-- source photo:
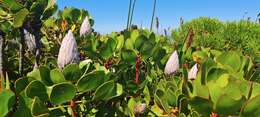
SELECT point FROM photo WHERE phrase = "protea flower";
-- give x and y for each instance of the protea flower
(68, 51)
(85, 27)
(139, 108)
(172, 64)
(193, 72)
(30, 41)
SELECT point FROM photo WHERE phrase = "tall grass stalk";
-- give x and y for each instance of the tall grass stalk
(132, 13)
(129, 14)
(154, 6)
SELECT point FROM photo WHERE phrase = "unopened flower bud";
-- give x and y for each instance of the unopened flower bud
(30, 41)
(193, 72)
(85, 27)
(172, 64)
(68, 52)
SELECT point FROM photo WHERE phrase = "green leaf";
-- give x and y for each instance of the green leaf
(91, 81)
(255, 90)
(36, 88)
(215, 73)
(7, 98)
(20, 84)
(129, 56)
(158, 54)
(57, 112)
(38, 7)
(200, 90)
(71, 14)
(251, 108)
(57, 76)
(201, 105)
(171, 97)
(41, 74)
(13, 5)
(24, 106)
(199, 56)
(108, 90)
(206, 66)
(146, 93)
(49, 23)
(20, 17)
(50, 9)
(161, 100)
(146, 49)
(38, 108)
(231, 60)
(134, 35)
(120, 42)
(61, 93)
(109, 48)
(226, 105)
(72, 72)
(84, 63)
(129, 44)
(139, 42)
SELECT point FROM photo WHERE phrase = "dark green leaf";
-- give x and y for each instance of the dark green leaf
(62, 92)
(38, 108)
(20, 17)
(107, 91)
(72, 72)
(129, 56)
(251, 108)
(20, 84)
(36, 88)
(91, 81)
(201, 105)
(57, 76)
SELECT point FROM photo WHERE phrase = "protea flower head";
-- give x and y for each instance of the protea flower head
(85, 27)
(172, 64)
(139, 108)
(193, 72)
(30, 41)
(68, 52)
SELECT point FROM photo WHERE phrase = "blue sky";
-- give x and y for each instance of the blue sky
(111, 15)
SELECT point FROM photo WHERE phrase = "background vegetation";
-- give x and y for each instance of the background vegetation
(123, 73)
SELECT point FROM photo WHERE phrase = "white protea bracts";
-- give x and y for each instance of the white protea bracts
(139, 108)
(68, 52)
(193, 72)
(172, 64)
(30, 41)
(85, 27)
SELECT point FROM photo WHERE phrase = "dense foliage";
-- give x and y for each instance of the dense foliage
(236, 35)
(123, 73)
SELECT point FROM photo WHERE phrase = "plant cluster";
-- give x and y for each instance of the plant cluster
(64, 68)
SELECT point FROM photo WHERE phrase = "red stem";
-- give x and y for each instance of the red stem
(73, 106)
(137, 63)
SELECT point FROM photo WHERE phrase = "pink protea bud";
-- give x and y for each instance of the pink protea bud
(193, 72)
(85, 27)
(213, 114)
(68, 51)
(172, 64)
(139, 108)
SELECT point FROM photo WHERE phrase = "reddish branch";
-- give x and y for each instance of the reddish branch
(108, 63)
(73, 107)
(137, 63)
(190, 38)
